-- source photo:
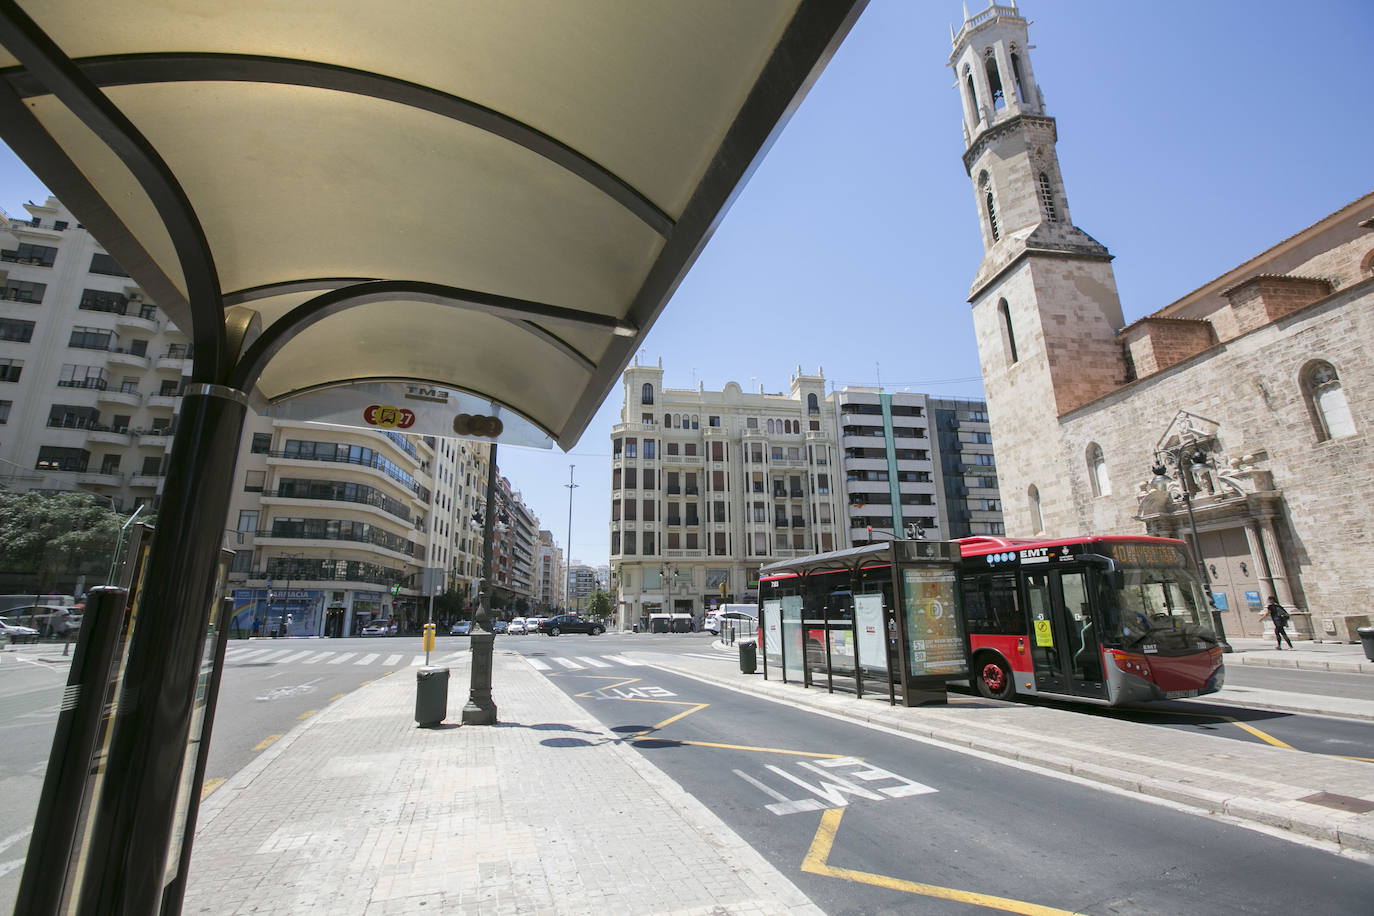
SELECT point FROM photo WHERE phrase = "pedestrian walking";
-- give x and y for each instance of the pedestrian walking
(257, 627)
(1275, 612)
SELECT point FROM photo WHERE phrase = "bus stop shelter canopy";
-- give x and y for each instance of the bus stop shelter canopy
(492, 197)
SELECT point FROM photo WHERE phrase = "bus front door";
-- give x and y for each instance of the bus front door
(1065, 649)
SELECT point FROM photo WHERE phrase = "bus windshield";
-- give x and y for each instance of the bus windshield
(1157, 610)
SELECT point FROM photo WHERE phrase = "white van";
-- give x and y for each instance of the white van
(516, 627)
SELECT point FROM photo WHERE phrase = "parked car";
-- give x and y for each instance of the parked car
(516, 627)
(377, 628)
(498, 626)
(742, 620)
(17, 633)
(461, 628)
(571, 623)
(48, 619)
(532, 624)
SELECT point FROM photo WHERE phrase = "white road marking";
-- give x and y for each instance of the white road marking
(342, 658)
(275, 655)
(368, 659)
(318, 656)
(594, 662)
(569, 664)
(251, 653)
(417, 662)
(537, 665)
(294, 658)
(624, 661)
(392, 660)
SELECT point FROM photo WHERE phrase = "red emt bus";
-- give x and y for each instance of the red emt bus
(1100, 619)
(1105, 620)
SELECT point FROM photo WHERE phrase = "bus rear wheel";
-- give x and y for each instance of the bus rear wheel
(993, 678)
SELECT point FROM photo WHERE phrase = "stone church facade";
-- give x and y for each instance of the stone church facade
(1241, 411)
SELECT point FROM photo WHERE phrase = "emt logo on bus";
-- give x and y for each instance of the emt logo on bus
(387, 416)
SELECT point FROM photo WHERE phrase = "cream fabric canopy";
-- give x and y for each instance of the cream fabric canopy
(493, 196)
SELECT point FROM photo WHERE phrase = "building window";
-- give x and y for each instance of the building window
(646, 394)
(262, 443)
(26, 253)
(1008, 331)
(985, 183)
(631, 448)
(10, 370)
(1097, 471)
(812, 404)
(1037, 520)
(712, 421)
(1047, 198)
(650, 448)
(90, 338)
(1326, 401)
(104, 264)
(248, 522)
(52, 458)
(994, 80)
(16, 330)
(23, 291)
(5, 411)
(253, 481)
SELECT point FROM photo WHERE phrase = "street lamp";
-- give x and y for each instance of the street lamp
(1188, 448)
(480, 708)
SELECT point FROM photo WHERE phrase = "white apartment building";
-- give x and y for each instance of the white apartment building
(707, 487)
(325, 521)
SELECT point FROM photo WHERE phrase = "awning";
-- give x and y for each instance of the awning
(494, 198)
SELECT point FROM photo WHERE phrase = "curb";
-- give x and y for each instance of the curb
(1336, 666)
(1263, 812)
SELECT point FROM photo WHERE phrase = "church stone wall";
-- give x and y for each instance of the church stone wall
(1251, 387)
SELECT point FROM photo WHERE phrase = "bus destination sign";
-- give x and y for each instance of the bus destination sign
(1036, 556)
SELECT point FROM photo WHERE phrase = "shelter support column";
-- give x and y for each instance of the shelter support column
(142, 800)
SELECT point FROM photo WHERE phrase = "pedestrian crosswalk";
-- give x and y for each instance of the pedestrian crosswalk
(237, 655)
(580, 662)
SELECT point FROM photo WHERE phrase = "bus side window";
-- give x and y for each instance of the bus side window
(1002, 599)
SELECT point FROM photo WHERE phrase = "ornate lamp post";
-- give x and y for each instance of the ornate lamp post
(1188, 449)
(480, 708)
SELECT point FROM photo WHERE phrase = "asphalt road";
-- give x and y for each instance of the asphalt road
(870, 822)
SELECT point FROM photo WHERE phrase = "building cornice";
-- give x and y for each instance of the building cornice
(998, 129)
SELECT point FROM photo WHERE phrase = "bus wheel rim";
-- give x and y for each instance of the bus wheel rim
(992, 675)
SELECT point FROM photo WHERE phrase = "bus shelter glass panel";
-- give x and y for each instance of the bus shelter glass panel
(871, 633)
(933, 622)
(829, 613)
(770, 634)
(793, 655)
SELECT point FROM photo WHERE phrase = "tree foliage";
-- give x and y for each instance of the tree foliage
(599, 605)
(57, 537)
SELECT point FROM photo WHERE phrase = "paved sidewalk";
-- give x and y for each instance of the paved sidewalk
(1318, 796)
(360, 811)
(1316, 656)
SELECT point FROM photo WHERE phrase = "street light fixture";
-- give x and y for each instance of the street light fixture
(480, 708)
(1188, 448)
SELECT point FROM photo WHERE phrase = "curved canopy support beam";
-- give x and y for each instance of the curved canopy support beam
(274, 338)
(136, 69)
(62, 78)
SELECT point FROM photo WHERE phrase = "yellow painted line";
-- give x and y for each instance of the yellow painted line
(815, 863)
(209, 786)
(762, 750)
(1348, 757)
(696, 707)
(307, 714)
(337, 696)
(620, 682)
(1263, 736)
(267, 742)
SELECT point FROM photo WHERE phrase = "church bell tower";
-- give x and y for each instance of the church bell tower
(1045, 305)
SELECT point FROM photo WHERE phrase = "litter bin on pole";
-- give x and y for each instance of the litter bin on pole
(431, 696)
(1367, 640)
(748, 657)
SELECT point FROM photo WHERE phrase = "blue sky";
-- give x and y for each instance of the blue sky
(1192, 136)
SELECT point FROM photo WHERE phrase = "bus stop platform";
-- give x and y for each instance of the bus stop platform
(1261, 782)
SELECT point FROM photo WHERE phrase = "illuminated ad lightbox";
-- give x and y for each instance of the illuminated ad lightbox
(409, 407)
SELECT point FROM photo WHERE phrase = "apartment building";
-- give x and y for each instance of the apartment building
(90, 370)
(331, 526)
(707, 487)
(548, 592)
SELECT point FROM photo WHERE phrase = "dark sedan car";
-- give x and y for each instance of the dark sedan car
(570, 623)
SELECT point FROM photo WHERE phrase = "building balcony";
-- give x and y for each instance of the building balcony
(100, 479)
(163, 401)
(635, 427)
(685, 460)
(145, 481)
(118, 356)
(133, 321)
(107, 436)
(119, 397)
(181, 365)
(155, 438)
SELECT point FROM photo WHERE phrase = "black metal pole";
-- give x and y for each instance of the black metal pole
(1202, 567)
(480, 708)
(126, 861)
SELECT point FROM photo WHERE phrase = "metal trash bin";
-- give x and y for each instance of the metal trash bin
(431, 696)
(748, 657)
(1367, 640)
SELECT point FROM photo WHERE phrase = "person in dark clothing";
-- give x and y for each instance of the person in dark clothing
(1276, 613)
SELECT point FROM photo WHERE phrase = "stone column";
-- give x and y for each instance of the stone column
(1270, 541)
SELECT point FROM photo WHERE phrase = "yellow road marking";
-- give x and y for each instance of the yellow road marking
(1263, 736)
(307, 714)
(337, 696)
(696, 707)
(267, 742)
(763, 750)
(815, 863)
(209, 786)
(1348, 757)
